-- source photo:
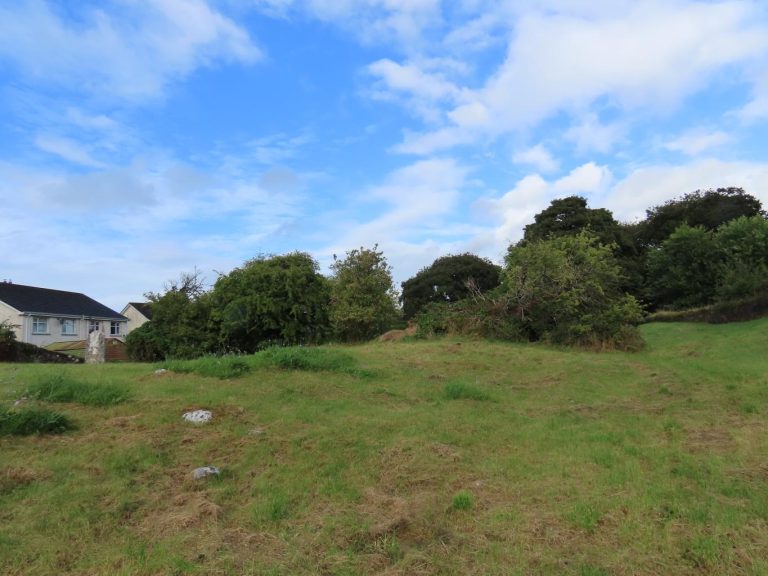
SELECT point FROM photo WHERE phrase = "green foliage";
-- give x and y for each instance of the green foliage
(30, 421)
(146, 343)
(695, 267)
(272, 300)
(60, 388)
(683, 271)
(223, 367)
(743, 250)
(462, 500)
(708, 209)
(448, 279)
(571, 216)
(362, 295)
(8, 342)
(568, 290)
(457, 390)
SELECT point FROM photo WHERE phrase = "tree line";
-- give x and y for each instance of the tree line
(578, 276)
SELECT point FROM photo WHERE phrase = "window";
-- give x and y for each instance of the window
(39, 325)
(93, 326)
(114, 328)
(67, 327)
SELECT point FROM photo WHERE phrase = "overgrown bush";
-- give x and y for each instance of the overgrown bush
(30, 421)
(60, 388)
(486, 316)
(145, 344)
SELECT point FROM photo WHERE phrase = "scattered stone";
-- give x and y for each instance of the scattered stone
(161, 371)
(20, 401)
(256, 431)
(198, 416)
(204, 471)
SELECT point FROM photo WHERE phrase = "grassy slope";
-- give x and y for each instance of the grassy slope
(580, 463)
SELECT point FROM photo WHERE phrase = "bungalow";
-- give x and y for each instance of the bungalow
(41, 316)
(138, 313)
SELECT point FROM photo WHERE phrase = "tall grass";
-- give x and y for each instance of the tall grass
(30, 421)
(223, 367)
(60, 388)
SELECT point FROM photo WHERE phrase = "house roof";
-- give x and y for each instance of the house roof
(144, 307)
(33, 300)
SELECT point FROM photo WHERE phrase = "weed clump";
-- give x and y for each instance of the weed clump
(462, 500)
(33, 421)
(309, 359)
(462, 391)
(60, 388)
(222, 367)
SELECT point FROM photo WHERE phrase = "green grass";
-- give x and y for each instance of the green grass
(28, 421)
(450, 457)
(61, 388)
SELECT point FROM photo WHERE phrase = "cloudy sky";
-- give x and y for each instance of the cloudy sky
(143, 138)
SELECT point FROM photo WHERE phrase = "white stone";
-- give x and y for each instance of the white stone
(204, 471)
(198, 416)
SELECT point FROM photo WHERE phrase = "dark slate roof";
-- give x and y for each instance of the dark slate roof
(51, 302)
(143, 307)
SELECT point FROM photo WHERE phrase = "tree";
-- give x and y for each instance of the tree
(708, 209)
(271, 300)
(743, 248)
(362, 295)
(448, 279)
(567, 289)
(570, 216)
(181, 325)
(682, 272)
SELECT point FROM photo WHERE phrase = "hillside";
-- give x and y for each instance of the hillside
(426, 457)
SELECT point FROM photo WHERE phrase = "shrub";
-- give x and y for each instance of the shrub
(487, 316)
(33, 421)
(60, 388)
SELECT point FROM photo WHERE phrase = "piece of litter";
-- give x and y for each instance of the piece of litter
(204, 471)
(256, 431)
(161, 371)
(198, 416)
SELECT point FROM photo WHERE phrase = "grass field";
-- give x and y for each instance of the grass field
(433, 457)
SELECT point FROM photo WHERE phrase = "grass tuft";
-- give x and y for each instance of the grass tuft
(33, 421)
(458, 390)
(59, 388)
(223, 367)
(309, 359)
(462, 500)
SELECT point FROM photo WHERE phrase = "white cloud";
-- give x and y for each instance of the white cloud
(539, 157)
(652, 185)
(694, 143)
(586, 179)
(645, 56)
(125, 49)
(67, 149)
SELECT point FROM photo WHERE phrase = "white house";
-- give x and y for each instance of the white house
(41, 316)
(138, 313)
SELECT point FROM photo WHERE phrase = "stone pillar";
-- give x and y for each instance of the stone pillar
(97, 348)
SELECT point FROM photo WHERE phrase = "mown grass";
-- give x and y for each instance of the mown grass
(583, 464)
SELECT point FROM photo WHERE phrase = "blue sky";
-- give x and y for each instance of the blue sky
(142, 139)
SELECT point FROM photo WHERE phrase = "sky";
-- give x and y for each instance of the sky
(142, 139)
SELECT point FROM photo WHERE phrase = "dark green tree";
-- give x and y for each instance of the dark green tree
(682, 272)
(448, 279)
(363, 298)
(708, 209)
(571, 216)
(743, 249)
(272, 300)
